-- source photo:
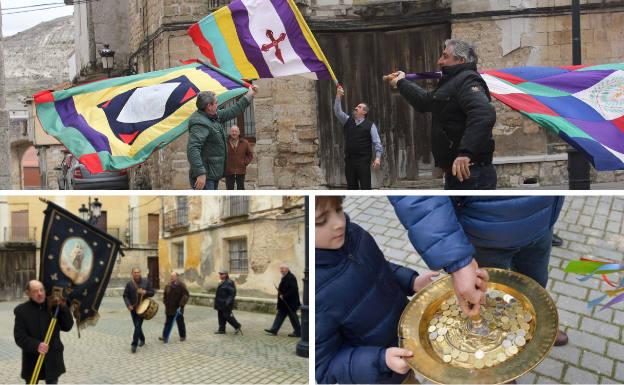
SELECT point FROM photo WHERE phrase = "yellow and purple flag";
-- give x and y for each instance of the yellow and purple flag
(117, 123)
(255, 39)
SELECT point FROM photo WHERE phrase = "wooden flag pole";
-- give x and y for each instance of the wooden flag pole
(35, 375)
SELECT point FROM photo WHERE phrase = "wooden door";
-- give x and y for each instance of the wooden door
(360, 59)
(152, 272)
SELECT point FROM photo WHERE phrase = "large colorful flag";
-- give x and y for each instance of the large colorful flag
(77, 260)
(584, 105)
(255, 39)
(117, 123)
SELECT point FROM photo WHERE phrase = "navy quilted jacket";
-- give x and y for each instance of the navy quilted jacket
(444, 229)
(359, 299)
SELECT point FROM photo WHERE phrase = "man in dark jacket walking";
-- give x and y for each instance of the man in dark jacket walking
(224, 303)
(462, 118)
(32, 319)
(137, 289)
(458, 234)
(287, 303)
(206, 148)
(175, 297)
(239, 155)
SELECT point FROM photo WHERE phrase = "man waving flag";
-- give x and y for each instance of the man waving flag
(255, 39)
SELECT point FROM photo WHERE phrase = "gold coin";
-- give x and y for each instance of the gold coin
(511, 351)
(525, 326)
(443, 319)
(489, 362)
(527, 317)
(446, 313)
(445, 348)
(439, 325)
(505, 319)
(442, 331)
(455, 313)
(479, 354)
(479, 364)
(446, 358)
(444, 306)
(450, 321)
(455, 353)
(440, 339)
(506, 326)
(433, 336)
(520, 341)
(506, 344)
(501, 357)
(452, 300)
(463, 356)
(432, 329)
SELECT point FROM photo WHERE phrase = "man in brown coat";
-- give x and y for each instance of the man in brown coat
(239, 155)
(176, 296)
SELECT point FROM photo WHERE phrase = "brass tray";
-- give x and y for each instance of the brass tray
(415, 336)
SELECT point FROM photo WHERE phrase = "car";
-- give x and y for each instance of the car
(75, 176)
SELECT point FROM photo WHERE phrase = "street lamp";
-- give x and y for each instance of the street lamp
(92, 213)
(108, 58)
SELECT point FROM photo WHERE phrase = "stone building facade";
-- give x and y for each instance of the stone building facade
(284, 119)
(248, 235)
(5, 177)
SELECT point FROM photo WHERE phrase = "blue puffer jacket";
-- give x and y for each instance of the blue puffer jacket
(359, 299)
(444, 229)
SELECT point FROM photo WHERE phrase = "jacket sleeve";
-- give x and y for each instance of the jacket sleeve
(27, 343)
(197, 136)
(480, 115)
(248, 154)
(233, 111)
(434, 230)
(65, 319)
(417, 96)
(405, 277)
(292, 291)
(185, 296)
(149, 290)
(338, 362)
(126, 296)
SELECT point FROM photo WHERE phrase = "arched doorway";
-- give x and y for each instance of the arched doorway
(31, 176)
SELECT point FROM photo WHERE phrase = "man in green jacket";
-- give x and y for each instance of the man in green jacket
(206, 148)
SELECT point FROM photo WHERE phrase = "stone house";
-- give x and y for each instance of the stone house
(250, 236)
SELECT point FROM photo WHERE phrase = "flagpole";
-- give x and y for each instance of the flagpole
(229, 76)
(35, 375)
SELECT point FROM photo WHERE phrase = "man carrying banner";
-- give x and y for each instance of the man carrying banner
(287, 303)
(136, 290)
(462, 118)
(31, 324)
(175, 297)
(359, 136)
(206, 148)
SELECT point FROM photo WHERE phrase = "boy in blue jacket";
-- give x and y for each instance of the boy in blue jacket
(359, 299)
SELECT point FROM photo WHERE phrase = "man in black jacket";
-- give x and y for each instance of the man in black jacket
(462, 118)
(137, 289)
(32, 319)
(175, 297)
(224, 303)
(287, 303)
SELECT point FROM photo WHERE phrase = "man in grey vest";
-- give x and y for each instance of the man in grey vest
(359, 136)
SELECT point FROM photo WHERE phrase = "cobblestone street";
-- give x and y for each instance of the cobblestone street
(102, 354)
(588, 225)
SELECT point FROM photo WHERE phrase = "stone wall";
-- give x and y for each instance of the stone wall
(512, 33)
(5, 179)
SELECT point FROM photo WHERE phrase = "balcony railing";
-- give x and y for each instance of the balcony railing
(213, 5)
(20, 234)
(235, 207)
(176, 218)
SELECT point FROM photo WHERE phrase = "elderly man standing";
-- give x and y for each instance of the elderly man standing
(462, 118)
(359, 136)
(239, 155)
(287, 303)
(175, 297)
(206, 148)
(224, 303)
(31, 324)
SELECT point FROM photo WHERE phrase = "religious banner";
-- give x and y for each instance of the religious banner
(77, 260)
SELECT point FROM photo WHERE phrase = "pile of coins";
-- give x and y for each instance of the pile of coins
(504, 329)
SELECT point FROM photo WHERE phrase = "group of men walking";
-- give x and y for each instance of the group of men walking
(33, 317)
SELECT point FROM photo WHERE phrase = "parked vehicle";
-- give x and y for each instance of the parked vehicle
(75, 176)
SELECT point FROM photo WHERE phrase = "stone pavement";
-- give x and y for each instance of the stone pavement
(102, 354)
(589, 225)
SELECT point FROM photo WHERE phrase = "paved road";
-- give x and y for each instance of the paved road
(102, 354)
(588, 226)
